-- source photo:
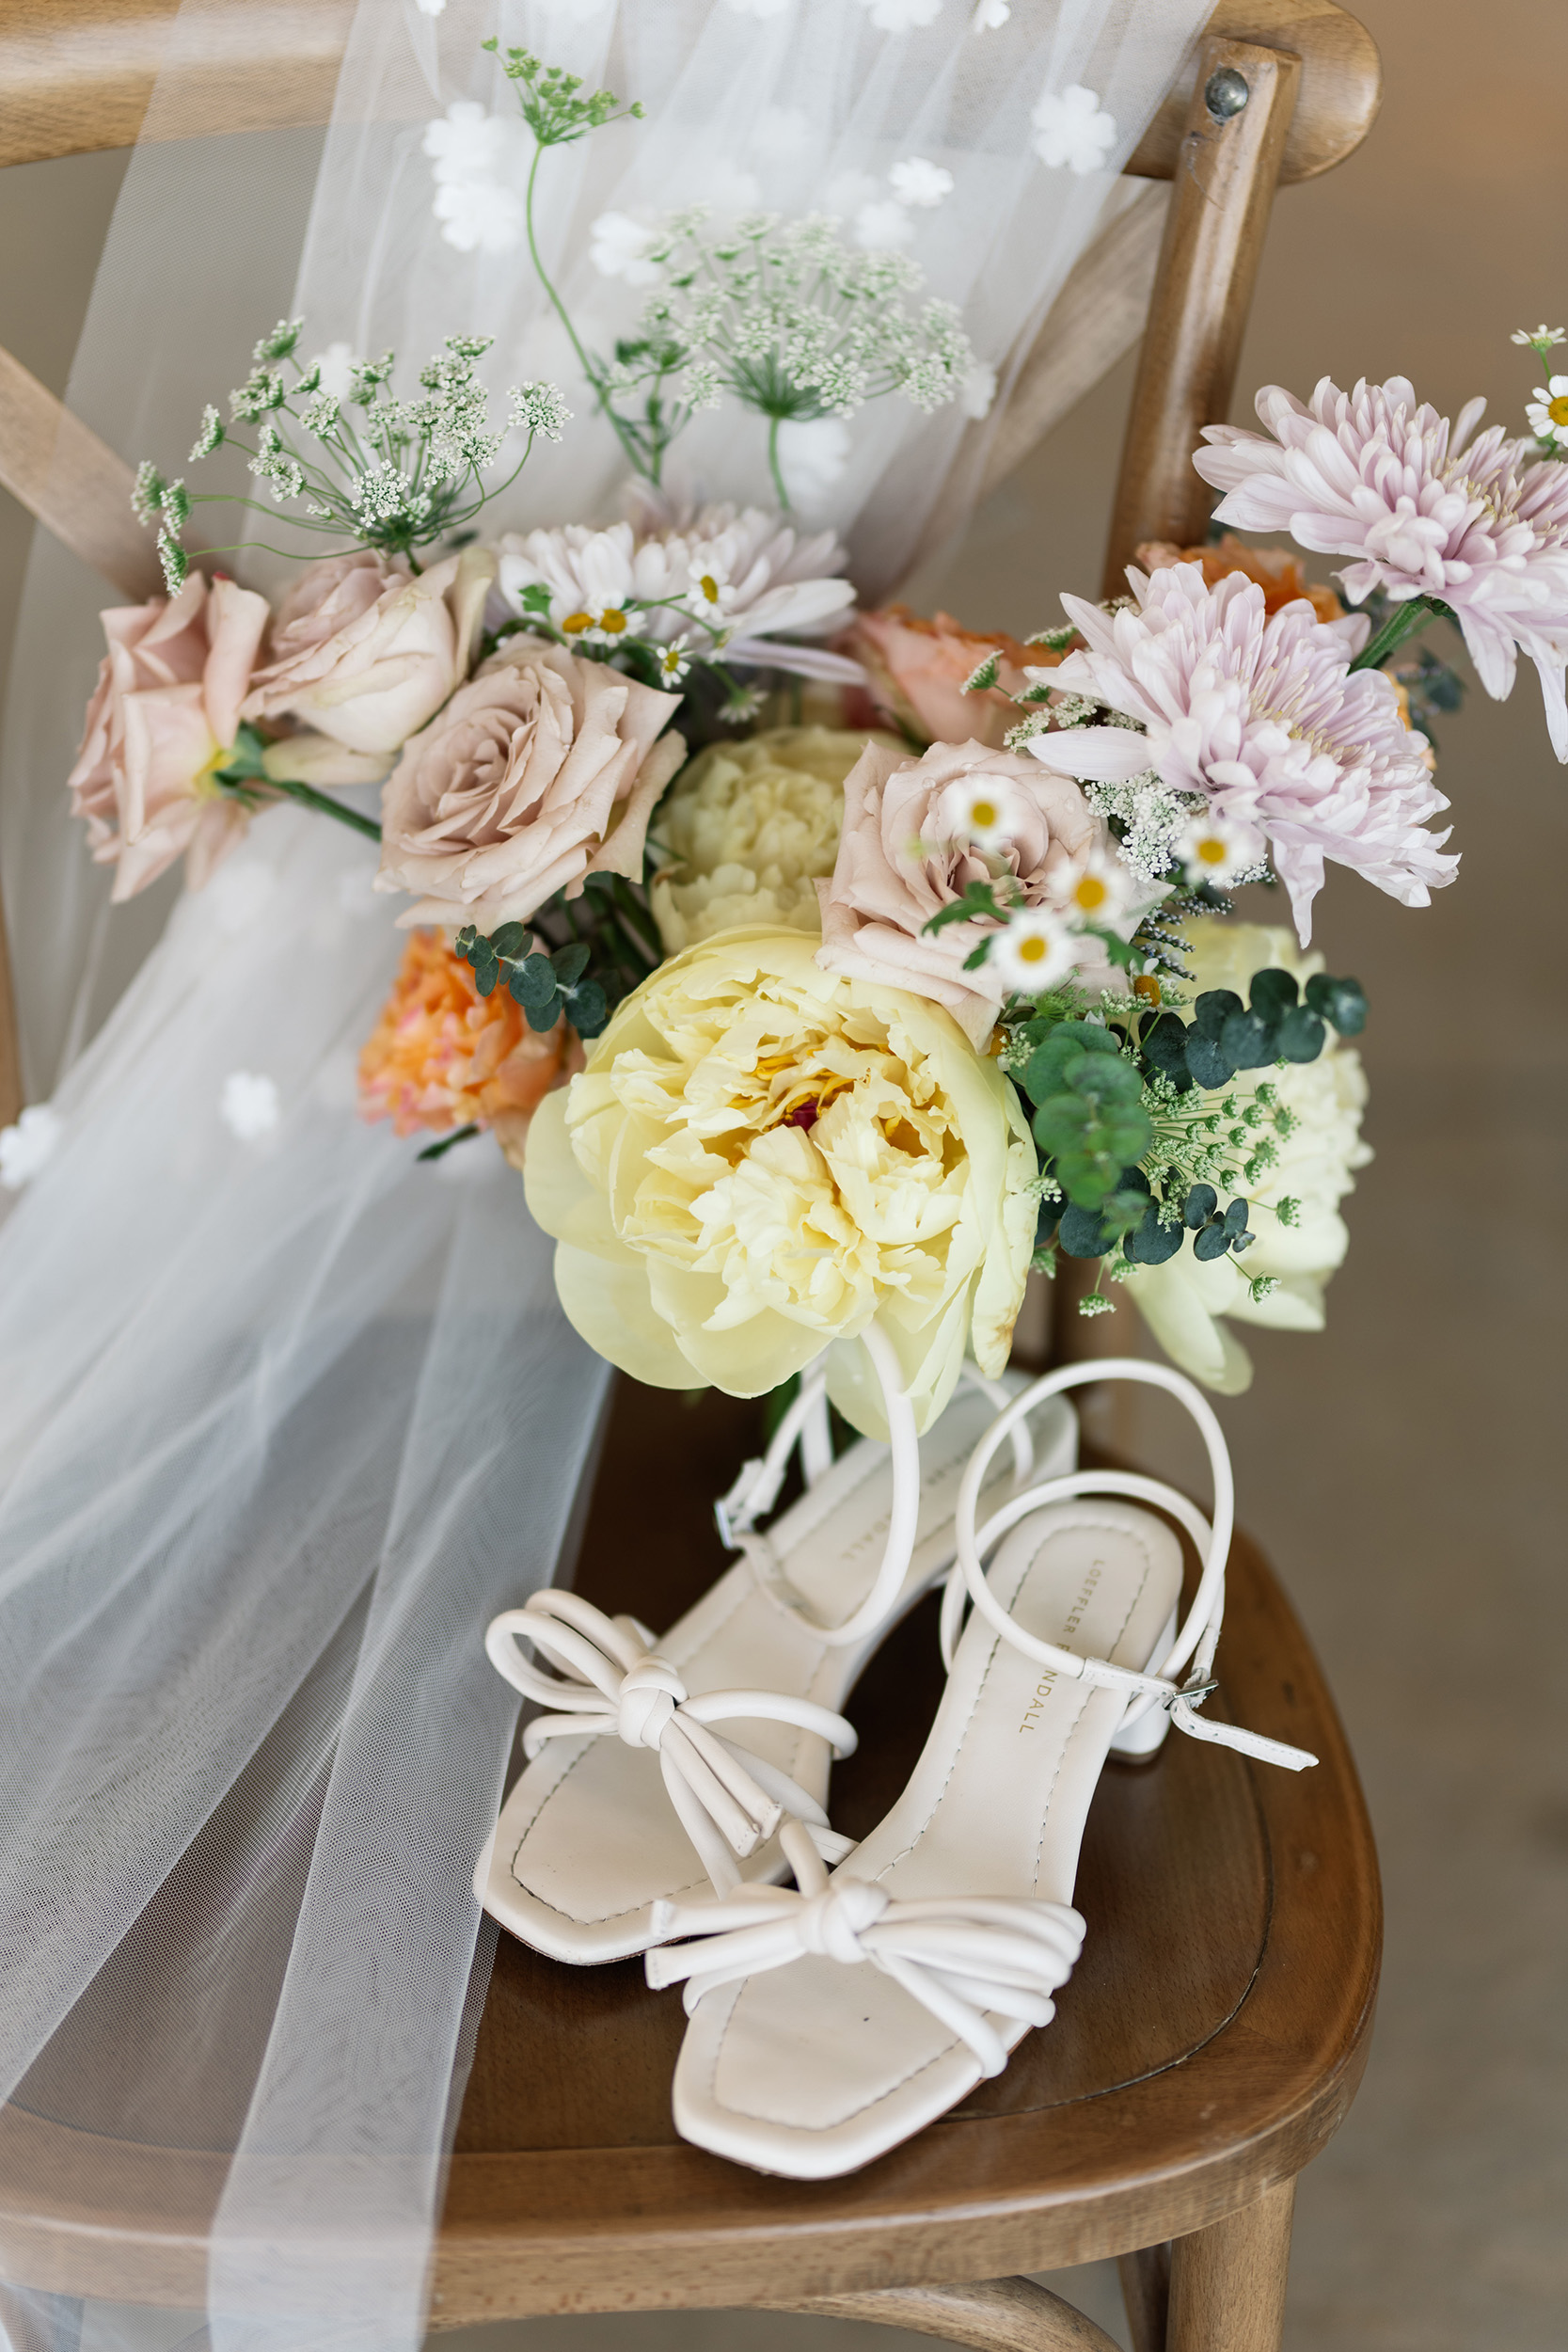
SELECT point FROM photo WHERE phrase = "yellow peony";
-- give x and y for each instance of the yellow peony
(747, 830)
(760, 1157)
(1185, 1302)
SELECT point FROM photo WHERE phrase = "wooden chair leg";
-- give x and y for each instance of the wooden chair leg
(993, 2314)
(1227, 2282)
(1146, 2292)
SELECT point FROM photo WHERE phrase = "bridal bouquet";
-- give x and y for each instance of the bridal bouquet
(815, 964)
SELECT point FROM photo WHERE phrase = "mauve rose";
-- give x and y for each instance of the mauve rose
(917, 670)
(364, 651)
(543, 768)
(164, 713)
(902, 859)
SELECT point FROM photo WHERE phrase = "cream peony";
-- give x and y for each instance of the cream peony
(748, 829)
(164, 715)
(1183, 1301)
(542, 769)
(908, 852)
(365, 652)
(758, 1159)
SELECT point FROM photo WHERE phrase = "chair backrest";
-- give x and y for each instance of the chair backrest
(77, 75)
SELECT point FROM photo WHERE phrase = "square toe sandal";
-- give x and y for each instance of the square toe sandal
(666, 1769)
(832, 2020)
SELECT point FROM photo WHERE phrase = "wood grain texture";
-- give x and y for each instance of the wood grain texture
(995, 2315)
(1227, 2281)
(1215, 231)
(1146, 2294)
(1208, 2044)
(77, 75)
(73, 482)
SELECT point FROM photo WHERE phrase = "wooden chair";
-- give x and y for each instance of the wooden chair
(1214, 2034)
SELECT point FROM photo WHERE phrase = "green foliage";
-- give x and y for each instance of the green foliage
(545, 985)
(1089, 1119)
(549, 102)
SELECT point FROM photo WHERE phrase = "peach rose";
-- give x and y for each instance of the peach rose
(164, 715)
(543, 768)
(364, 651)
(904, 854)
(917, 670)
(442, 1057)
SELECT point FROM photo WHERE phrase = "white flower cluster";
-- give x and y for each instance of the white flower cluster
(787, 318)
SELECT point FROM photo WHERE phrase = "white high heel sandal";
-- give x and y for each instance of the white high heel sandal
(634, 1795)
(795, 2062)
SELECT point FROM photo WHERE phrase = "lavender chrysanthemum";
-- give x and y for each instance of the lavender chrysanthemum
(1264, 718)
(1372, 475)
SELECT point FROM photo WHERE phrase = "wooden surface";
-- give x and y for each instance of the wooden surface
(74, 483)
(996, 2314)
(77, 74)
(1214, 230)
(1145, 2275)
(1209, 2043)
(1227, 2282)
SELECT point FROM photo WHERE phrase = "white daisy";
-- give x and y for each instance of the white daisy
(27, 1146)
(1072, 131)
(917, 182)
(603, 625)
(674, 660)
(1218, 850)
(1101, 895)
(1548, 411)
(1035, 952)
(986, 810)
(619, 246)
(248, 1105)
(1541, 335)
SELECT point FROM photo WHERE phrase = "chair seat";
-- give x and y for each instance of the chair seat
(1209, 2043)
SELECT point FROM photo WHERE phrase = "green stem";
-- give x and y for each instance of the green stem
(1403, 622)
(559, 308)
(773, 423)
(309, 797)
(439, 1151)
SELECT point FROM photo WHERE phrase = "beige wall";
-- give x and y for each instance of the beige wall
(1404, 1468)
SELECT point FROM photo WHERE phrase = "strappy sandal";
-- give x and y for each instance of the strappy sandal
(795, 2062)
(637, 1791)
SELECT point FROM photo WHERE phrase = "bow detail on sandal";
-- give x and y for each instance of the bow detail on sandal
(614, 1683)
(958, 1955)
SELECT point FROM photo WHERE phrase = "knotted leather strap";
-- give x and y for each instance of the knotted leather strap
(613, 1682)
(961, 1955)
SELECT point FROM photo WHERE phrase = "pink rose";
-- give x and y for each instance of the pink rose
(544, 768)
(163, 714)
(904, 854)
(364, 651)
(917, 670)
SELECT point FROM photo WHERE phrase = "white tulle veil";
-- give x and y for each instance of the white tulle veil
(284, 1419)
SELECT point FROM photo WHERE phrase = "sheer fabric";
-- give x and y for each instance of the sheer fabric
(285, 1417)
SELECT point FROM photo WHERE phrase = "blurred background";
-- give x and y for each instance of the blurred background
(1401, 1469)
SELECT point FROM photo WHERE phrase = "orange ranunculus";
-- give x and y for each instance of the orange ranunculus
(917, 668)
(443, 1056)
(1279, 572)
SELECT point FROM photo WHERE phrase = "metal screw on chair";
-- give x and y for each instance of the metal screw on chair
(1225, 93)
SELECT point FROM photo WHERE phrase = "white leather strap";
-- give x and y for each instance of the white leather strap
(612, 1682)
(756, 1489)
(1198, 1634)
(959, 1955)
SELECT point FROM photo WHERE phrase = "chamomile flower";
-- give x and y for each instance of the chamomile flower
(673, 661)
(710, 597)
(985, 810)
(1541, 335)
(603, 625)
(1100, 894)
(1219, 849)
(1034, 953)
(1548, 412)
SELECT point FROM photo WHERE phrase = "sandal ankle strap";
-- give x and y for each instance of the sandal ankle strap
(1198, 1634)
